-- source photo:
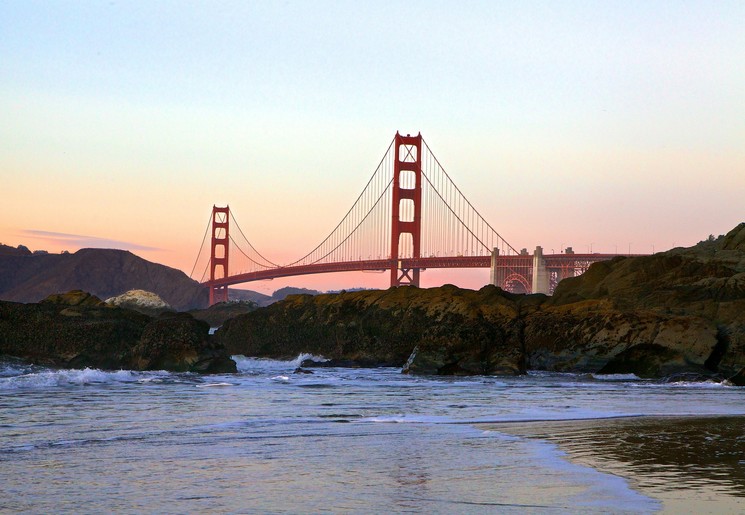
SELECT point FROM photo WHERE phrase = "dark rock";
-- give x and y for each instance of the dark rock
(179, 342)
(586, 336)
(301, 370)
(645, 360)
(318, 364)
(738, 379)
(69, 336)
(215, 362)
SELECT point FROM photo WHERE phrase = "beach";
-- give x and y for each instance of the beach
(691, 464)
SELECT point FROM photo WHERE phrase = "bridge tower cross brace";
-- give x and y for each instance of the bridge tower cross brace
(407, 158)
(219, 254)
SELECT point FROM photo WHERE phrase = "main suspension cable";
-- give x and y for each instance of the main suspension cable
(204, 238)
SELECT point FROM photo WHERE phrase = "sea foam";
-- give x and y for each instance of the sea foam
(46, 378)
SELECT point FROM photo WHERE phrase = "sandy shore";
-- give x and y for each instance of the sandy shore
(691, 464)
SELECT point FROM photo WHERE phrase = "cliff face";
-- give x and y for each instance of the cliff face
(673, 312)
(103, 272)
(692, 299)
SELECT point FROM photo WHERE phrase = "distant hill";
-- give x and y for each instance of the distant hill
(27, 276)
(282, 293)
(262, 300)
(249, 296)
(102, 272)
(6, 250)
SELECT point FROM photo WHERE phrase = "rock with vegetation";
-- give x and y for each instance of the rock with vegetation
(73, 330)
(78, 330)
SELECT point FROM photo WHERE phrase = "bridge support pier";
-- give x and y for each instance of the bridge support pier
(219, 254)
(498, 274)
(540, 273)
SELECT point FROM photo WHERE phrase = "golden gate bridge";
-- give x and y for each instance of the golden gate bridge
(409, 217)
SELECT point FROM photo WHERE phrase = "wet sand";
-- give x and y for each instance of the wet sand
(691, 464)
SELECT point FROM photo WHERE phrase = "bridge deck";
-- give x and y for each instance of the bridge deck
(519, 262)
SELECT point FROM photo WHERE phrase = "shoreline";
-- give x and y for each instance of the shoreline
(692, 464)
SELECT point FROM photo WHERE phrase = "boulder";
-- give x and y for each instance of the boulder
(143, 301)
(179, 342)
(476, 347)
(646, 360)
(739, 378)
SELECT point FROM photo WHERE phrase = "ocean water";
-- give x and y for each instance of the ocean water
(267, 440)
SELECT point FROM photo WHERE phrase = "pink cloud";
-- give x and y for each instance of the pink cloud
(82, 241)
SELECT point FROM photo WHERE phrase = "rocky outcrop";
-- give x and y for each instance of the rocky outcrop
(678, 312)
(698, 293)
(455, 330)
(57, 334)
(589, 336)
(77, 330)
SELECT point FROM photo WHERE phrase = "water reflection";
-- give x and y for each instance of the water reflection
(684, 459)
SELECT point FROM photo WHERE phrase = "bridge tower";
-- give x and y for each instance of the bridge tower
(219, 255)
(406, 212)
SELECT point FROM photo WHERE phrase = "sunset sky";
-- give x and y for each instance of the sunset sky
(603, 125)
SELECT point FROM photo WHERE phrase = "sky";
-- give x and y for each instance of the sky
(606, 126)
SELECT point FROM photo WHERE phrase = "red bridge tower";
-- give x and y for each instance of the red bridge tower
(406, 212)
(219, 256)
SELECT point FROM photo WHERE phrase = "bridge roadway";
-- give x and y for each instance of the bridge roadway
(517, 263)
